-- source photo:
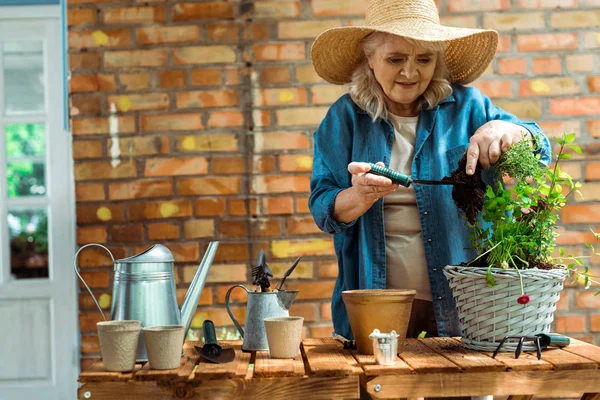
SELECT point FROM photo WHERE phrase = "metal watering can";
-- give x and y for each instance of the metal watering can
(144, 289)
(260, 305)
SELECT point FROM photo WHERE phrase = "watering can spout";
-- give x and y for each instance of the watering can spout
(190, 302)
(286, 297)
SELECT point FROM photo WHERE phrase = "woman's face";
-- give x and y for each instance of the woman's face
(403, 71)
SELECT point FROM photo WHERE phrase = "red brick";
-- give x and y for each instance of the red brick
(263, 164)
(99, 38)
(94, 279)
(308, 311)
(210, 207)
(95, 257)
(89, 192)
(274, 75)
(326, 312)
(167, 34)
(140, 189)
(580, 62)
(511, 66)
(557, 128)
(206, 77)
(295, 163)
(593, 84)
(280, 184)
(81, 16)
(88, 321)
(136, 81)
(547, 3)
(127, 233)
(313, 290)
(232, 229)
(228, 165)
(163, 231)
(334, 8)
(205, 297)
(138, 146)
(168, 79)
(283, 96)
(95, 214)
(225, 119)
(140, 211)
(595, 322)
(176, 166)
(135, 15)
(547, 42)
(278, 205)
(575, 106)
(204, 55)
(237, 207)
(276, 10)
(587, 300)
(305, 29)
(232, 252)
(233, 75)
(275, 141)
(478, 5)
(223, 142)
(91, 234)
(135, 58)
(104, 170)
(547, 66)
(208, 98)
(223, 32)
(193, 229)
(87, 149)
(504, 44)
(319, 331)
(575, 19)
(301, 116)
(307, 74)
(266, 227)
(84, 60)
(202, 11)
(90, 344)
(137, 102)
(92, 83)
(302, 226)
(548, 87)
(570, 323)
(289, 51)
(255, 31)
(302, 205)
(580, 214)
(171, 122)
(513, 21)
(185, 252)
(495, 88)
(594, 128)
(209, 186)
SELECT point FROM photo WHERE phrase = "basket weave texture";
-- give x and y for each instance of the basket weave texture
(488, 314)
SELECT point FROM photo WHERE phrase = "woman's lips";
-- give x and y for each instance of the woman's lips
(407, 84)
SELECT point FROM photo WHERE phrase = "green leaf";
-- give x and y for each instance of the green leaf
(490, 192)
(569, 138)
(561, 252)
(559, 141)
(422, 335)
(565, 156)
(579, 193)
(597, 293)
(489, 279)
(576, 149)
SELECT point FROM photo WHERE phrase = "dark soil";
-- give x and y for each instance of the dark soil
(468, 195)
(482, 263)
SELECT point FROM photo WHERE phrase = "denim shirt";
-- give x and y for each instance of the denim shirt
(346, 134)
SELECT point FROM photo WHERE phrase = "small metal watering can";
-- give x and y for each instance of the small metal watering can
(144, 289)
(260, 305)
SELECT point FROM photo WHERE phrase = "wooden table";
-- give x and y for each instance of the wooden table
(431, 367)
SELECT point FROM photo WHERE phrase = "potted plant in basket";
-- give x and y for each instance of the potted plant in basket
(512, 287)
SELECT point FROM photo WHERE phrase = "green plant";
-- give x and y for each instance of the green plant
(520, 215)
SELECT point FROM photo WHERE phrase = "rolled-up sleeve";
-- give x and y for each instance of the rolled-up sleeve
(542, 144)
(324, 187)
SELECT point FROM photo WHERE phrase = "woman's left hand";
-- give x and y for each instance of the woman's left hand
(491, 140)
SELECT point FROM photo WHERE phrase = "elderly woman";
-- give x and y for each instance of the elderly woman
(407, 108)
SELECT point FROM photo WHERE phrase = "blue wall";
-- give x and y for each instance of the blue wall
(27, 2)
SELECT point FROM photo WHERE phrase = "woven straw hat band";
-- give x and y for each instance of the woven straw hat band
(381, 12)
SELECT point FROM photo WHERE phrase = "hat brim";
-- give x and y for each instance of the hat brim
(335, 53)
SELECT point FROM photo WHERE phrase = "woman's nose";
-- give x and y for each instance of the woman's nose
(408, 69)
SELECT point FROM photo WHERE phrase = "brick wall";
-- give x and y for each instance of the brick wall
(193, 121)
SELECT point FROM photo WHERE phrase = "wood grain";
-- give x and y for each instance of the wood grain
(424, 360)
(267, 367)
(583, 349)
(540, 383)
(525, 362)
(327, 357)
(186, 366)
(562, 360)
(96, 373)
(371, 368)
(467, 360)
(238, 368)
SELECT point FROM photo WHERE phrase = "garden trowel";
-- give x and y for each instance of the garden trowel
(406, 180)
(211, 351)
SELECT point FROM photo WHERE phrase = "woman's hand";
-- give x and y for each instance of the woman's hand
(490, 141)
(365, 191)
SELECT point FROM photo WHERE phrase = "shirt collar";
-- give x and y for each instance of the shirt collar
(449, 99)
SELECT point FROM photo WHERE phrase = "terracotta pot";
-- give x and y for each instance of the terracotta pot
(385, 309)
(118, 344)
(164, 344)
(284, 335)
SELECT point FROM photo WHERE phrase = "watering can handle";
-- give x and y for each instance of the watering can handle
(75, 266)
(235, 321)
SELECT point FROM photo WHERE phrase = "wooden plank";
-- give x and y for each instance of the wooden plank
(327, 357)
(424, 360)
(323, 388)
(206, 370)
(468, 360)
(562, 360)
(96, 373)
(525, 362)
(371, 368)
(267, 367)
(584, 350)
(186, 366)
(538, 383)
(591, 396)
(521, 397)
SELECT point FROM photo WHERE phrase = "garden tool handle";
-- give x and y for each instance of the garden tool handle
(208, 329)
(553, 339)
(395, 176)
(76, 267)
(235, 321)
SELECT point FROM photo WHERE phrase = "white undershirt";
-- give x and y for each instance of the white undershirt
(404, 247)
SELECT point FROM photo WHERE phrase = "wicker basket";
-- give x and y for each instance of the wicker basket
(488, 314)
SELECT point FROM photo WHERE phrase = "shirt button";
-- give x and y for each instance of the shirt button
(435, 270)
(425, 213)
(439, 298)
(429, 240)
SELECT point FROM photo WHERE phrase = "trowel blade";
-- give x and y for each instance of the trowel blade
(216, 355)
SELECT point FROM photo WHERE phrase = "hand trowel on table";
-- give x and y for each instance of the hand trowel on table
(211, 351)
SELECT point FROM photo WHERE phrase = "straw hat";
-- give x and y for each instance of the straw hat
(336, 53)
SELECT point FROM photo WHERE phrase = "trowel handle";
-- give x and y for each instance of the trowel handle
(76, 267)
(210, 336)
(235, 321)
(553, 339)
(395, 176)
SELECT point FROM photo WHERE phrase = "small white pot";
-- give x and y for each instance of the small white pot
(118, 344)
(284, 335)
(164, 344)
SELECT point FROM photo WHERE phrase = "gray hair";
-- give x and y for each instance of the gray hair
(368, 94)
